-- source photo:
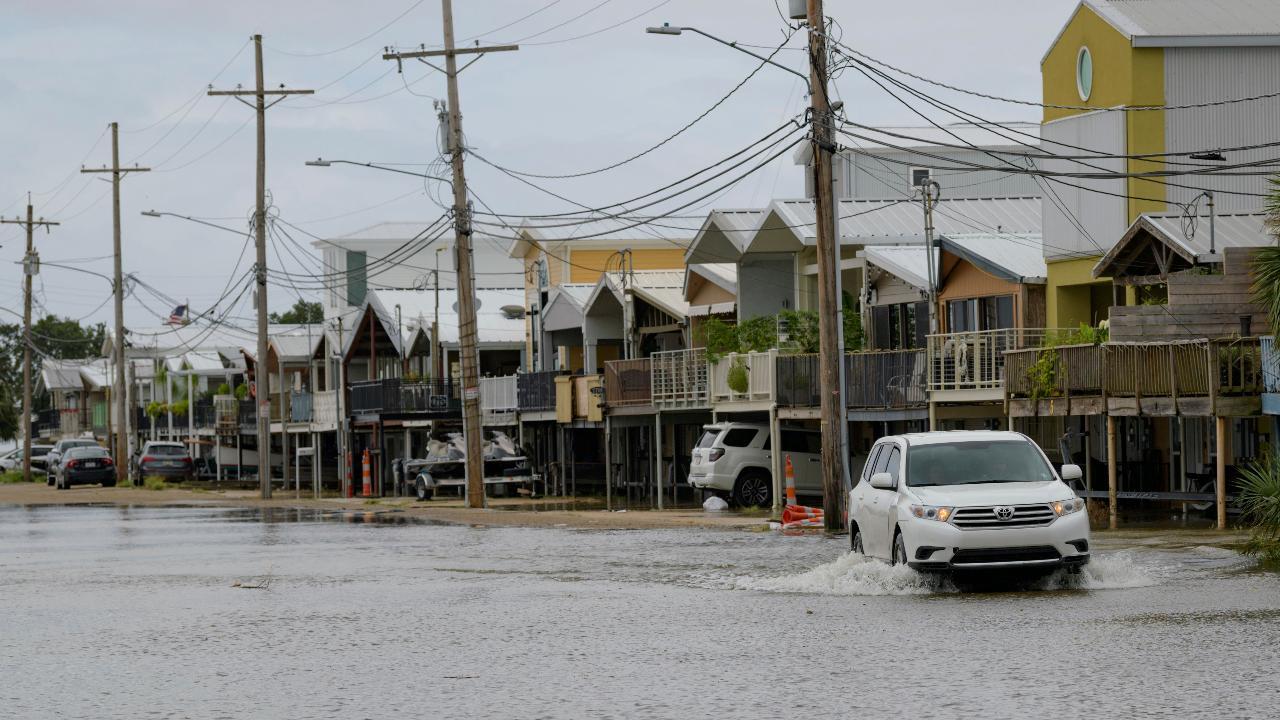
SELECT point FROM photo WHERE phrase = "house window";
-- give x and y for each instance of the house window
(920, 176)
(899, 327)
(986, 313)
(357, 277)
(1084, 73)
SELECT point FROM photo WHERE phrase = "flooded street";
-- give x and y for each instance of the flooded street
(132, 613)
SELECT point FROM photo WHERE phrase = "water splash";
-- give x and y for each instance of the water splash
(854, 574)
(851, 574)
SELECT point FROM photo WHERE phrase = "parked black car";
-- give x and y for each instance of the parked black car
(162, 459)
(86, 466)
(54, 459)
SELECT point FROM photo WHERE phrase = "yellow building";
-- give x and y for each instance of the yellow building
(1118, 81)
(575, 255)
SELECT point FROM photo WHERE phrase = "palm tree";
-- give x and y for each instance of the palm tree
(1266, 262)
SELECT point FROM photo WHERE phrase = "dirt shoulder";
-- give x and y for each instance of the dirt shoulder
(523, 512)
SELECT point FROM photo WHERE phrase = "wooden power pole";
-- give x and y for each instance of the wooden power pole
(122, 437)
(462, 249)
(30, 266)
(262, 378)
(829, 302)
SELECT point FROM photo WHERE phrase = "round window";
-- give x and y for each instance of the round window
(1084, 73)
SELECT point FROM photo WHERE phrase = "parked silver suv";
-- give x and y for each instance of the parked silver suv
(735, 459)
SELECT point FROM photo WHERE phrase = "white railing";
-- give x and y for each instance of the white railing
(756, 368)
(679, 378)
(324, 409)
(1270, 365)
(975, 360)
(499, 398)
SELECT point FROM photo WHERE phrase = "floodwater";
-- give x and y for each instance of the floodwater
(133, 613)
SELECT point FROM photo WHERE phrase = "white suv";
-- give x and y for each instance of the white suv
(967, 500)
(735, 458)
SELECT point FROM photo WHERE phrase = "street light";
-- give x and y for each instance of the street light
(669, 29)
(321, 162)
(157, 213)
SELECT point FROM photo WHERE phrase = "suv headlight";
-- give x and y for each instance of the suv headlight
(1068, 506)
(931, 512)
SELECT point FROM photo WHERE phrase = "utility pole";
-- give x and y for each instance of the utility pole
(262, 378)
(829, 302)
(123, 437)
(929, 193)
(462, 250)
(30, 266)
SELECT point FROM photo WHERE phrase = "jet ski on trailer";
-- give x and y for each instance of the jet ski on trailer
(445, 463)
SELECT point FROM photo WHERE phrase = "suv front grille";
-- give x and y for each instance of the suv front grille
(985, 517)
(1002, 555)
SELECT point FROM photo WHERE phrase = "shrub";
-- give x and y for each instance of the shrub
(12, 477)
(242, 391)
(1259, 499)
(719, 338)
(758, 334)
(1042, 374)
(180, 407)
(153, 482)
(155, 409)
(223, 389)
(738, 379)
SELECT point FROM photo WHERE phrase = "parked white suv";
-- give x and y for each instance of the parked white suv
(735, 458)
(966, 500)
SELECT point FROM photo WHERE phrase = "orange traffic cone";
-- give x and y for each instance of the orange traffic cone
(791, 482)
(366, 484)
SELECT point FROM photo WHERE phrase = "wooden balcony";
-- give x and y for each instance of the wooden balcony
(743, 381)
(1191, 377)
(536, 391)
(679, 379)
(1055, 381)
(499, 400)
(628, 383)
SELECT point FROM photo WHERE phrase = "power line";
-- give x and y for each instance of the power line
(354, 43)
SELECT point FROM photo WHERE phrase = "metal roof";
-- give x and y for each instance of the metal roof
(722, 275)
(905, 262)
(61, 374)
(1173, 23)
(563, 310)
(1015, 257)
(296, 348)
(880, 222)
(493, 267)
(1245, 230)
(663, 289)
(675, 231)
(724, 235)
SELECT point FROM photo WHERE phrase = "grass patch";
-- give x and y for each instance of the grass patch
(13, 477)
(371, 501)
(153, 482)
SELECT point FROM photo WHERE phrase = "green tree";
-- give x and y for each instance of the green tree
(52, 337)
(302, 312)
(1266, 262)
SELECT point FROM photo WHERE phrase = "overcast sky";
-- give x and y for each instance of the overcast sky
(578, 95)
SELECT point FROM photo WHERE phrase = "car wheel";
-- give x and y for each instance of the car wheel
(899, 550)
(855, 541)
(424, 492)
(753, 489)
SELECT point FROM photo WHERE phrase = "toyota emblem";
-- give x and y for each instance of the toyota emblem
(1004, 512)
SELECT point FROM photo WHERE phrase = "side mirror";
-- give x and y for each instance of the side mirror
(882, 481)
(1071, 472)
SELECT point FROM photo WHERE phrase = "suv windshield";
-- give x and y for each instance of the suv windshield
(969, 463)
(167, 450)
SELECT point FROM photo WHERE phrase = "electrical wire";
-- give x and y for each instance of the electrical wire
(354, 43)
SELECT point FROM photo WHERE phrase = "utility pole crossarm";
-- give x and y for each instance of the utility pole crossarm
(263, 92)
(448, 52)
(32, 223)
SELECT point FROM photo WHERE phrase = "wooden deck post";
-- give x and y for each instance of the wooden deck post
(1112, 504)
(657, 452)
(1221, 467)
(608, 464)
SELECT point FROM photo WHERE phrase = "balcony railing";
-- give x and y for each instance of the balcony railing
(975, 360)
(499, 399)
(206, 416)
(536, 391)
(396, 396)
(300, 407)
(679, 379)
(1270, 364)
(1061, 371)
(628, 383)
(874, 380)
(742, 377)
(324, 409)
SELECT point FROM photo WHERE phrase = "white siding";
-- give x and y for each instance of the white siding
(766, 283)
(1078, 221)
(1196, 75)
(886, 174)
(890, 290)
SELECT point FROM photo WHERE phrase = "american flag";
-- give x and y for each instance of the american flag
(178, 316)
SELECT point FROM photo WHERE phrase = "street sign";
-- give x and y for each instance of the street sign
(264, 409)
(470, 393)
